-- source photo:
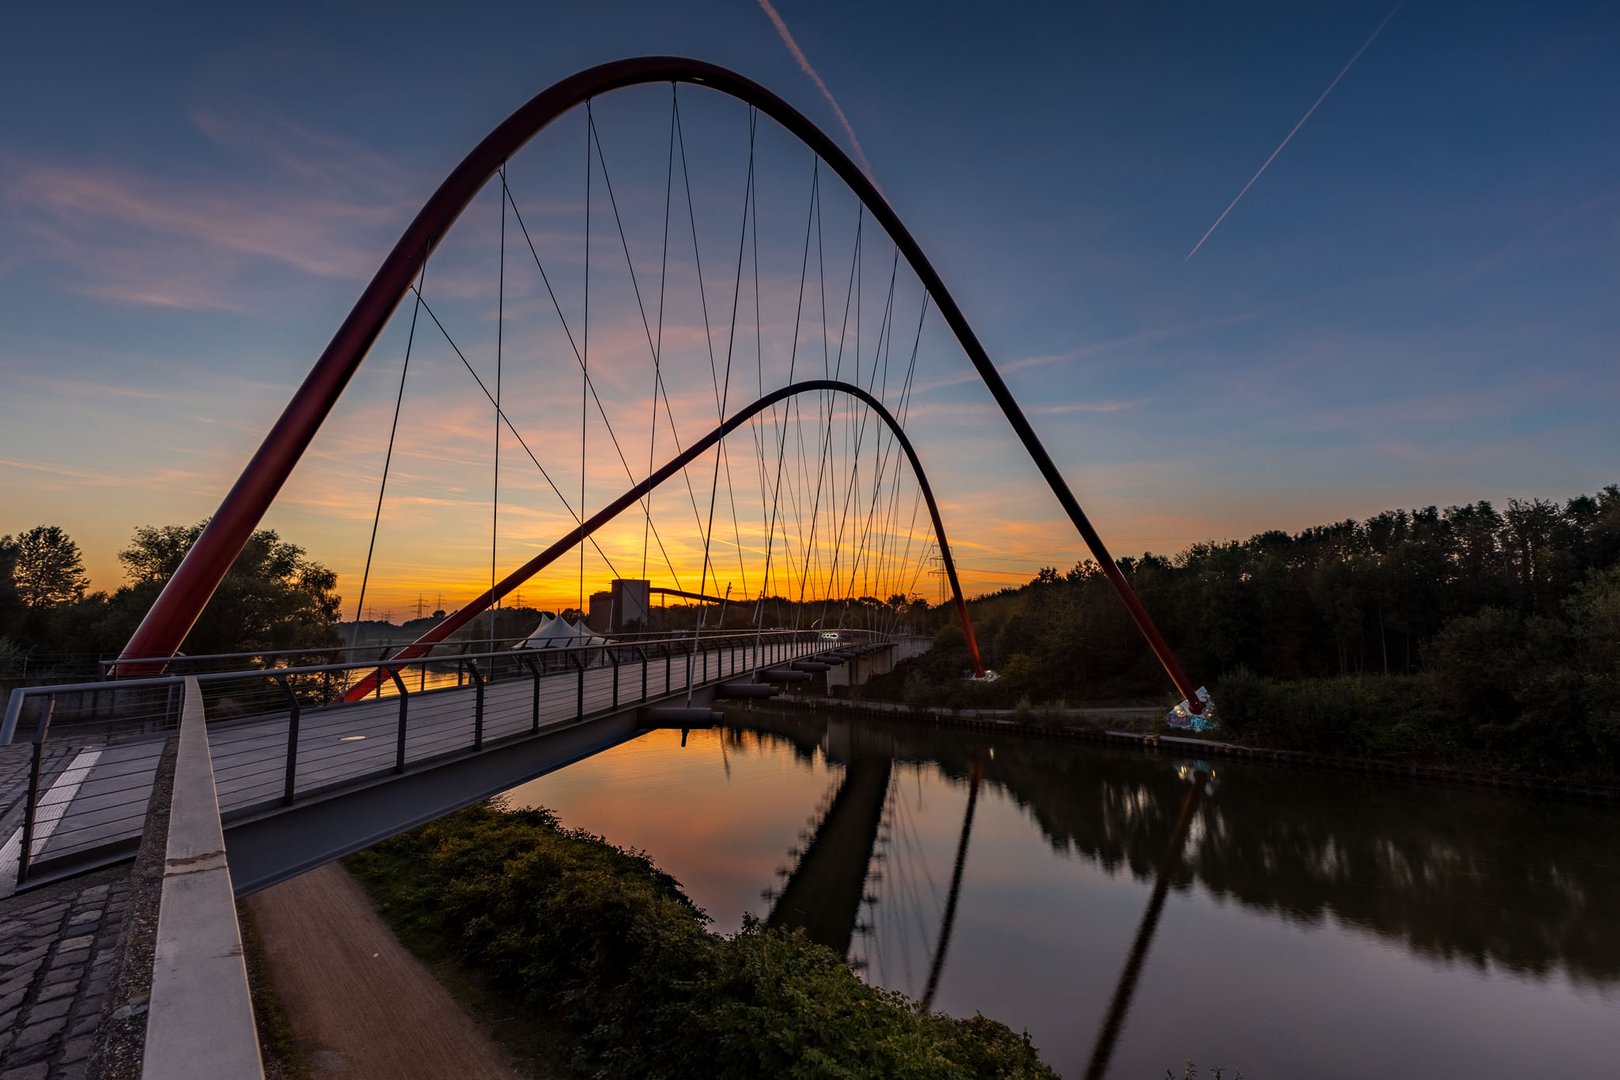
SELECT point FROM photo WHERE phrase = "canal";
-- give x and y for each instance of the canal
(1317, 924)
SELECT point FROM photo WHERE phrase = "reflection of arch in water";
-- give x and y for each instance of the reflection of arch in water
(847, 856)
(823, 894)
(954, 894)
(1119, 1006)
(1538, 872)
(907, 918)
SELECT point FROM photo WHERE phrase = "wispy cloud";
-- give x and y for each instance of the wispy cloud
(1295, 131)
(321, 208)
(147, 241)
(316, 156)
(1140, 337)
(962, 410)
(804, 64)
(59, 477)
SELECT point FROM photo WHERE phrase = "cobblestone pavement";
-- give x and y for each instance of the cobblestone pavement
(59, 957)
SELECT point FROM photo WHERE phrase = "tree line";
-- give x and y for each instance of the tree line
(51, 623)
(1485, 625)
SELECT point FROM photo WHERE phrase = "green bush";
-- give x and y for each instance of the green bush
(604, 942)
(1532, 718)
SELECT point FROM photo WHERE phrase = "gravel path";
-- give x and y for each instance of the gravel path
(359, 1004)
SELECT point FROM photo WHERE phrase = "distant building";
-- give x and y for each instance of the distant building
(601, 617)
(624, 608)
(632, 605)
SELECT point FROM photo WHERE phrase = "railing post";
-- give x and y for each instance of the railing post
(613, 655)
(478, 703)
(26, 854)
(641, 652)
(579, 695)
(667, 668)
(294, 709)
(534, 669)
(404, 709)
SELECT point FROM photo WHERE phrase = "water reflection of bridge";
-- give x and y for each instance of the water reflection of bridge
(824, 893)
(1349, 850)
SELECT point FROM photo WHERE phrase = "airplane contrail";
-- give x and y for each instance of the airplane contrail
(798, 54)
(1342, 73)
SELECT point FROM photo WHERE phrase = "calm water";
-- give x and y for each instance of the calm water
(1318, 926)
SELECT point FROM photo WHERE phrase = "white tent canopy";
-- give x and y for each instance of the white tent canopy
(558, 633)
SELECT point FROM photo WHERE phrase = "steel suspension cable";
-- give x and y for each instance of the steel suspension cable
(658, 347)
(781, 444)
(905, 406)
(883, 332)
(585, 347)
(826, 446)
(426, 307)
(388, 458)
(736, 295)
(630, 266)
(852, 299)
(495, 488)
(601, 409)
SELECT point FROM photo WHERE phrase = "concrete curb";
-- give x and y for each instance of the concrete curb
(201, 1019)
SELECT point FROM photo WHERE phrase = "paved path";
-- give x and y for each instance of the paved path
(58, 961)
(360, 1005)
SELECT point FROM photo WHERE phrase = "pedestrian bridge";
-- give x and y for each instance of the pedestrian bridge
(282, 768)
(300, 782)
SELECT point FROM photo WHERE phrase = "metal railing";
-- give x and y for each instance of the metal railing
(377, 652)
(281, 733)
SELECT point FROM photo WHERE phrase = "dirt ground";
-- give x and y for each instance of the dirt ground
(360, 1005)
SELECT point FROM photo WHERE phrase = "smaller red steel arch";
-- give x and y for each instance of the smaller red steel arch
(577, 536)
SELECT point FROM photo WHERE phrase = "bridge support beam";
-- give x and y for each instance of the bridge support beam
(272, 847)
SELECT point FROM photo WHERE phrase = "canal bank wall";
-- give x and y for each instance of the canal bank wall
(1103, 726)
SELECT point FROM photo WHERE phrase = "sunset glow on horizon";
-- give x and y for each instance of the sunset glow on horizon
(1412, 303)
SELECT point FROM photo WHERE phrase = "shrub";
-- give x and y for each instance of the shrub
(605, 942)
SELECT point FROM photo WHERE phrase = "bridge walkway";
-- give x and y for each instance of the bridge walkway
(93, 810)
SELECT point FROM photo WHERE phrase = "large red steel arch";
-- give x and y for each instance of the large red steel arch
(576, 536)
(206, 564)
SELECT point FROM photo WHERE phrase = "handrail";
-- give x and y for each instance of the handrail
(113, 663)
(279, 703)
(303, 651)
(15, 703)
(624, 640)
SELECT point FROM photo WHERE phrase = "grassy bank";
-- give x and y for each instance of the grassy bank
(605, 950)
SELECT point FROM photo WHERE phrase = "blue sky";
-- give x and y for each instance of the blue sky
(1414, 303)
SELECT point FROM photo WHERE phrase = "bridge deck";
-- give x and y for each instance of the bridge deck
(97, 805)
